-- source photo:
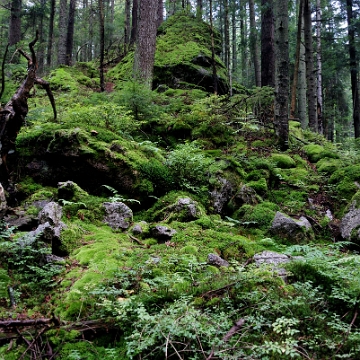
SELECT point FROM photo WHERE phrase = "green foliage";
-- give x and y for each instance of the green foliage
(188, 167)
(283, 161)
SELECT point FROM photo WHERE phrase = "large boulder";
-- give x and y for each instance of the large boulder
(291, 230)
(162, 233)
(118, 215)
(221, 195)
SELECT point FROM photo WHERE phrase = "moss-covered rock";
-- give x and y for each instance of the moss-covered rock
(283, 161)
(316, 152)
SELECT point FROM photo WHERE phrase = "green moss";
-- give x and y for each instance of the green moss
(260, 215)
(328, 166)
(283, 161)
(190, 249)
(316, 152)
(260, 186)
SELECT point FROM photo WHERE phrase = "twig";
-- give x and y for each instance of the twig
(33, 342)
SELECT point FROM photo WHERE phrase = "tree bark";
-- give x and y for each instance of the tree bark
(62, 32)
(134, 21)
(214, 74)
(199, 9)
(15, 22)
(51, 33)
(320, 128)
(267, 44)
(127, 25)
(253, 43)
(160, 13)
(310, 73)
(297, 61)
(146, 42)
(353, 68)
(282, 74)
(102, 44)
(70, 33)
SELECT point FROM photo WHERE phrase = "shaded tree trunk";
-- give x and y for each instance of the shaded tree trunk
(294, 86)
(51, 33)
(15, 22)
(127, 25)
(214, 74)
(146, 42)
(160, 13)
(62, 32)
(310, 72)
(134, 21)
(267, 44)
(102, 43)
(253, 43)
(320, 104)
(70, 33)
(353, 68)
(282, 74)
(199, 9)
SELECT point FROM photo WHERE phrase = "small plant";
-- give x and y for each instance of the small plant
(117, 197)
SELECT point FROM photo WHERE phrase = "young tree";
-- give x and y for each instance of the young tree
(282, 74)
(146, 41)
(62, 32)
(267, 44)
(320, 128)
(51, 33)
(102, 43)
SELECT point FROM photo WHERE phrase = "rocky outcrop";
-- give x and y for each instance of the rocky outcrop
(3, 204)
(118, 215)
(221, 195)
(291, 230)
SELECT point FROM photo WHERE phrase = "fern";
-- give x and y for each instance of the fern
(117, 197)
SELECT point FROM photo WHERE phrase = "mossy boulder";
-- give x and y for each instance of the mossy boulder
(316, 152)
(183, 55)
(328, 165)
(293, 231)
(283, 161)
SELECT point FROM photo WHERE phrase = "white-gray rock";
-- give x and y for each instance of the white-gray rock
(118, 215)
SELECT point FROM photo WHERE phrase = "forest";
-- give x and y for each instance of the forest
(179, 179)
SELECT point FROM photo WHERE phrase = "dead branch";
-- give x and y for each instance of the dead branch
(12, 116)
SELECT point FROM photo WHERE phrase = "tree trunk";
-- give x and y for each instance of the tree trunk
(199, 9)
(226, 35)
(353, 68)
(310, 73)
(51, 33)
(134, 21)
(319, 68)
(282, 74)
(160, 13)
(62, 32)
(253, 43)
(267, 44)
(15, 22)
(102, 43)
(146, 42)
(214, 73)
(297, 61)
(127, 25)
(243, 42)
(70, 33)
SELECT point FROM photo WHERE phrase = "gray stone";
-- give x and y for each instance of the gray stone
(189, 207)
(216, 260)
(3, 204)
(51, 213)
(350, 225)
(222, 195)
(270, 257)
(138, 228)
(161, 232)
(291, 229)
(118, 215)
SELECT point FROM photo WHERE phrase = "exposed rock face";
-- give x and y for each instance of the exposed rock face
(162, 233)
(118, 215)
(350, 225)
(186, 209)
(216, 260)
(51, 213)
(140, 228)
(293, 230)
(69, 190)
